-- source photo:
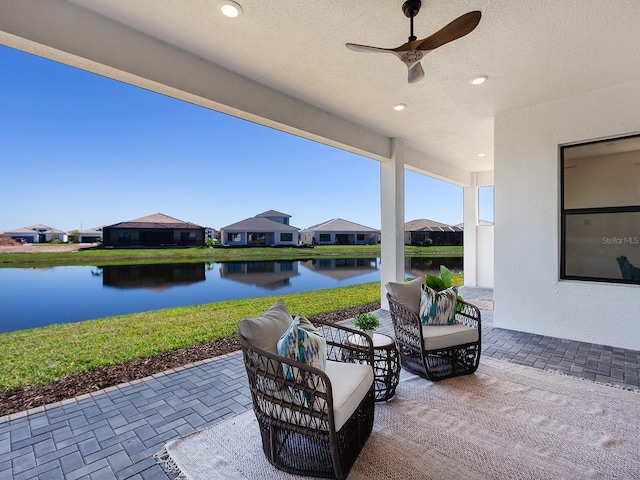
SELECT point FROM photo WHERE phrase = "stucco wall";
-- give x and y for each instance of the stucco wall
(485, 273)
(528, 293)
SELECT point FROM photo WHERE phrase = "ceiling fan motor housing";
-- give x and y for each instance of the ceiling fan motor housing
(412, 56)
(411, 7)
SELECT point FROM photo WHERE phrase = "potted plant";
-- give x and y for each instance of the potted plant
(442, 282)
(367, 322)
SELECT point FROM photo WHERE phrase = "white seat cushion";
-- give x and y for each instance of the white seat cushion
(350, 383)
(445, 336)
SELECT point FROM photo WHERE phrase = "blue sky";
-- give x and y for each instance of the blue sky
(78, 151)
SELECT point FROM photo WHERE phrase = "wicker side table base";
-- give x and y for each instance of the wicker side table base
(386, 364)
(386, 367)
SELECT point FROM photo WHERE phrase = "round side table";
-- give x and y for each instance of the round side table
(386, 366)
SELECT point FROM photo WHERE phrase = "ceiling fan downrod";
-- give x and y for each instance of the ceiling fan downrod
(411, 9)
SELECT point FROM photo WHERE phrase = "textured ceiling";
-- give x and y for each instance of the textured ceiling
(532, 52)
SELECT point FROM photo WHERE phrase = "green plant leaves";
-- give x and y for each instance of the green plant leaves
(436, 283)
(444, 281)
(446, 275)
(366, 321)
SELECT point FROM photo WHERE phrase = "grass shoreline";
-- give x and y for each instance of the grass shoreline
(109, 256)
(47, 354)
(44, 355)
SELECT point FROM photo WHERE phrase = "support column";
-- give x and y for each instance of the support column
(470, 236)
(392, 219)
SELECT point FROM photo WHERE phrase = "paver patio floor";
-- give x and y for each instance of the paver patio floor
(114, 433)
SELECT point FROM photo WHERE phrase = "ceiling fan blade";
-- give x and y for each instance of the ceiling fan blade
(460, 27)
(367, 49)
(416, 73)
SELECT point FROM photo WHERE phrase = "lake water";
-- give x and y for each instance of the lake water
(34, 297)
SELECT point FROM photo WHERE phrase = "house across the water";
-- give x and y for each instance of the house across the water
(157, 230)
(270, 228)
(339, 232)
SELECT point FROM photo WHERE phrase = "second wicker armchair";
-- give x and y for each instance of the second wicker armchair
(433, 351)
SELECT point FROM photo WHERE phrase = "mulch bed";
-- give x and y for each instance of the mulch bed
(29, 397)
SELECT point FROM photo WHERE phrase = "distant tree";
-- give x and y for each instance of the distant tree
(210, 242)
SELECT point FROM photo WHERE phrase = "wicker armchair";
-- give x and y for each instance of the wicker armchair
(317, 423)
(435, 352)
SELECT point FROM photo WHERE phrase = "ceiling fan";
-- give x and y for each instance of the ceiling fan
(412, 52)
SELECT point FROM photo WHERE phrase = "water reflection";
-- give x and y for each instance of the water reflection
(342, 268)
(270, 275)
(37, 297)
(417, 266)
(153, 277)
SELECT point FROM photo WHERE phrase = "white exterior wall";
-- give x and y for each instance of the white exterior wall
(245, 236)
(484, 259)
(306, 238)
(60, 237)
(294, 238)
(528, 293)
(478, 239)
(309, 237)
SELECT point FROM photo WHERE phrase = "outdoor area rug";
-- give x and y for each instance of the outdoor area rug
(504, 422)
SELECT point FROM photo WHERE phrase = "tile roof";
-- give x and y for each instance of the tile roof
(340, 225)
(91, 230)
(157, 220)
(259, 224)
(273, 213)
(424, 225)
(28, 230)
(39, 228)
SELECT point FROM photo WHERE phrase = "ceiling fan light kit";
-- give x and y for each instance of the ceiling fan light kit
(414, 50)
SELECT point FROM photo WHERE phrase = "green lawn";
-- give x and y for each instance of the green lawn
(42, 355)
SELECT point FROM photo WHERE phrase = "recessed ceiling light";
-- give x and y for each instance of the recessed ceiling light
(230, 9)
(399, 107)
(479, 80)
(482, 154)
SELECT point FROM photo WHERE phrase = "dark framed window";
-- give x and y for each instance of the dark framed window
(600, 211)
(325, 237)
(187, 236)
(234, 237)
(257, 238)
(124, 237)
(360, 237)
(286, 237)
